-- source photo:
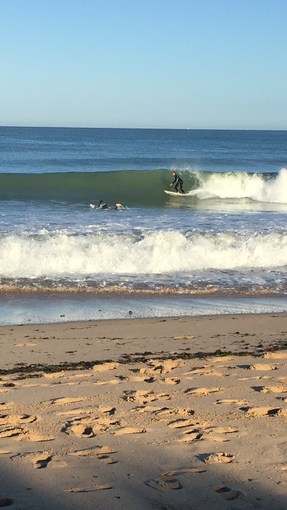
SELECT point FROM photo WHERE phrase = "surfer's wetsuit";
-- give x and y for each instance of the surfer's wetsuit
(179, 182)
(102, 205)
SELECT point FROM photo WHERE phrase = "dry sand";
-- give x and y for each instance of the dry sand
(151, 414)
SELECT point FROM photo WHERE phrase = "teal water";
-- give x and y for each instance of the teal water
(143, 188)
(226, 235)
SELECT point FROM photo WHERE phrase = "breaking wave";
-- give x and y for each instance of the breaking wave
(270, 188)
(143, 188)
(154, 253)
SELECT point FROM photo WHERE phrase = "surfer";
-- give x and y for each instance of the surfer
(102, 205)
(179, 182)
(118, 207)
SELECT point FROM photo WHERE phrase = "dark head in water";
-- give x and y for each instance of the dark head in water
(102, 205)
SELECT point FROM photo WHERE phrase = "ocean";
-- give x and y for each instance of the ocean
(220, 248)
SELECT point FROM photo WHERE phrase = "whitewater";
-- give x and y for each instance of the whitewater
(226, 236)
(272, 189)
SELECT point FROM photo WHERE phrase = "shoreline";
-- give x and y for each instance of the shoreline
(133, 339)
(43, 308)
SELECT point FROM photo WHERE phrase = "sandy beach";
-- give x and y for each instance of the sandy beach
(149, 414)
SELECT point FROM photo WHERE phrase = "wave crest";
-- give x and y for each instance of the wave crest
(144, 188)
(258, 187)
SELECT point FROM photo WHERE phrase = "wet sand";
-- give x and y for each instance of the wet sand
(174, 413)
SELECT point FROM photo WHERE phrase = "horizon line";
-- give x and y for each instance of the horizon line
(142, 128)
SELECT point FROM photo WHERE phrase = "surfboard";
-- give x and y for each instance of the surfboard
(92, 206)
(174, 193)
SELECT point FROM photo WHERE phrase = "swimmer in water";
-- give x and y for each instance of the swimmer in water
(102, 205)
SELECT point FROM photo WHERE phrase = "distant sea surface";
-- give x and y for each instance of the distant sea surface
(227, 236)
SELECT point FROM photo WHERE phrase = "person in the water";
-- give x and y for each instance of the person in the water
(178, 181)
(102, 205)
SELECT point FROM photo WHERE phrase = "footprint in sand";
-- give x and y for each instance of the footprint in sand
(10, 431)
(164, 367)
(107, 409)
(168, 479)
(141, 378)
(216, 458)
(276, 355)
(93, 488)
(215, 438)
(143, 373)
(81, 428)
(12, 426)
(223, 359)
(171, 380)
(263, 366)
(257, 377)
(129, 430)
(228, 494)
(34, 437)
(15, 419)
(75, 412)
(107, 459)
(61, 401)
(88, 426)
(218, 434)
(94, 451)
(97, 452)
(181, 423)
(201, 392)
(111, 381)
(164, 482)
(41, 461)
(257, 412)
(57, 464)
(149, 409)
(273, 389)
(105, 366)
(221, 430)
(191, 435)
(144, 397)
(232, 401)
(205, 371)
(166, 413)
(185, 470)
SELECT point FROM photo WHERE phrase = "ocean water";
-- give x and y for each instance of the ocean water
(227, 236)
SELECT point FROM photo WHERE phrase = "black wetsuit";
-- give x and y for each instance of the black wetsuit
(102, 205)
(179, 182)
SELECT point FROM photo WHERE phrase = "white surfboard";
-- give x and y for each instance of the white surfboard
(174, 193)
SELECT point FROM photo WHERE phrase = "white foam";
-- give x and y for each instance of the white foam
(243, 185)
(162, 252)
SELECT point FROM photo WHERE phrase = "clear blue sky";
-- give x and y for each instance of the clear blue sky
(144, 63)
